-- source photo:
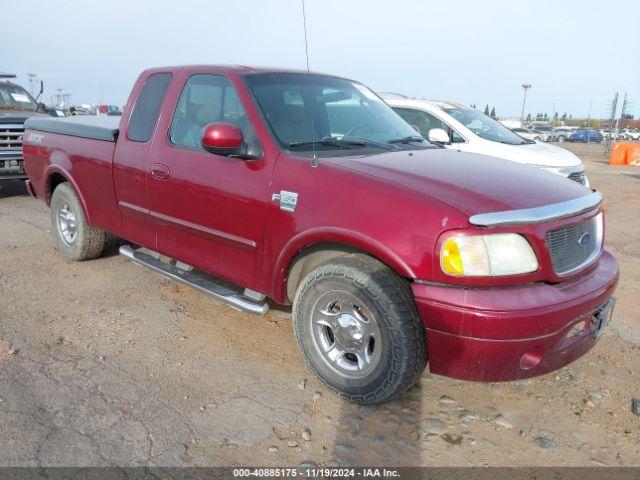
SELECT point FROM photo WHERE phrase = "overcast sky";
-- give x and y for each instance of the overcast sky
(573, 52)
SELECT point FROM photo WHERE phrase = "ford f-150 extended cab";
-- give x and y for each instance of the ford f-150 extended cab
(309, 189)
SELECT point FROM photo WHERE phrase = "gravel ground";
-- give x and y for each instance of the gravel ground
(106, 363)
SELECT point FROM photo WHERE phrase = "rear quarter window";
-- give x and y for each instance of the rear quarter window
(145, 112)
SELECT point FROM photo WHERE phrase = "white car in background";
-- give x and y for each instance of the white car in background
(535, 135)
(563, 133)
(547, 130)
(631, 134)
(615, 135)
(459, 127)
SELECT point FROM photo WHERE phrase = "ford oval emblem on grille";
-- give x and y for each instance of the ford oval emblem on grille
(584, 239)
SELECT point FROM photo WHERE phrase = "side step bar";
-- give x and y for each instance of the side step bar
(197, 280)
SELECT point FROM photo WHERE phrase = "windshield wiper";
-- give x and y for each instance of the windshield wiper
(343, 142)
(367, 141)
(409, 139)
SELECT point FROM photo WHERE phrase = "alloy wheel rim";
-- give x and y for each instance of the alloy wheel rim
(67, 224)
(346, 334)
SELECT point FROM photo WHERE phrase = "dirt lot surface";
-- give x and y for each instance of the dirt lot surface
(106, 363)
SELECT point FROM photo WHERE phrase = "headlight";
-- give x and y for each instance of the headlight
(487, 255)
(563, 172)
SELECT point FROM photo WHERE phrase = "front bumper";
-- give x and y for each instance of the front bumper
(510, 333)
(11, 165)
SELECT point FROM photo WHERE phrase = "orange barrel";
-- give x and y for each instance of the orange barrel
(625, 154)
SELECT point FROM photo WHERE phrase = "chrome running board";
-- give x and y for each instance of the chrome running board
(195, 279)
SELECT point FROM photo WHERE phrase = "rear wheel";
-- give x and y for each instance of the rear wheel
(537, 139)
(358, 329)
(76, 239)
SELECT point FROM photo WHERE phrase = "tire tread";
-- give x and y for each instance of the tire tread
(397, 299)
(90, 240)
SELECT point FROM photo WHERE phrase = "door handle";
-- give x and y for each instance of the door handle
(159, 171)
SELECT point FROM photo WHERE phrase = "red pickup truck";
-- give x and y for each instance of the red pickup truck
(309, 189)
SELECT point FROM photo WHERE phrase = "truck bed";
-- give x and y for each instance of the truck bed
(104, 128)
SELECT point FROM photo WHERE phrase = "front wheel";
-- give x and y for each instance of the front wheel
(75, 238)
(357, 326)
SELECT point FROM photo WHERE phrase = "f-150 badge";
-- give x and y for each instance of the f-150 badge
(288, 200)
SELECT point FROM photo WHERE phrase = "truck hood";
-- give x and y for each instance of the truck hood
(469, 182)
(536, 154)
(18, 116)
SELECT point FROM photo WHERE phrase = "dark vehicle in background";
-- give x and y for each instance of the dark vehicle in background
(586, 135)
(16, 105)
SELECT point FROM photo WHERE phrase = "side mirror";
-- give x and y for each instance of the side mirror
(438, 135)
(223, 139)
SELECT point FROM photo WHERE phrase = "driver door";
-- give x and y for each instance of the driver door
(209, 210)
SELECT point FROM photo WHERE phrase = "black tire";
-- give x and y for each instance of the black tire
(87, 242)
(402, 354)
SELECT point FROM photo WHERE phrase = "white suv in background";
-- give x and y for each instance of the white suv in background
(459, 127)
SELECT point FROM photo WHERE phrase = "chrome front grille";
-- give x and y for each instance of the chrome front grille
(577, 177)
(574, 246)
(11, 136)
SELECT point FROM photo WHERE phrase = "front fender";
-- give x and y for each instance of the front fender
(335, 236)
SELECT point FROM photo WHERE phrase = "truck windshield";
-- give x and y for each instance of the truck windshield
(14, 97)
(315, 112)
(485, 127)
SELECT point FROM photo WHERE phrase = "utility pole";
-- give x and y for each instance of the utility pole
(32, 79)
(589, 119)
(625, 104)
(525, 87)
(612, 119)
(62, 98)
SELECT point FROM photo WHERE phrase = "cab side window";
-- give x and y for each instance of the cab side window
(206, 99)
(147, 108)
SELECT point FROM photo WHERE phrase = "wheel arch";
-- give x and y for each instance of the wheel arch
(307, 250)
(54, 176)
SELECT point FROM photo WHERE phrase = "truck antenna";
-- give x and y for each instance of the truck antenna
(314, 161)
(306, 42)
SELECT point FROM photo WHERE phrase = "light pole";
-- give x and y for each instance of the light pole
(525, 87)
(32, 79)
